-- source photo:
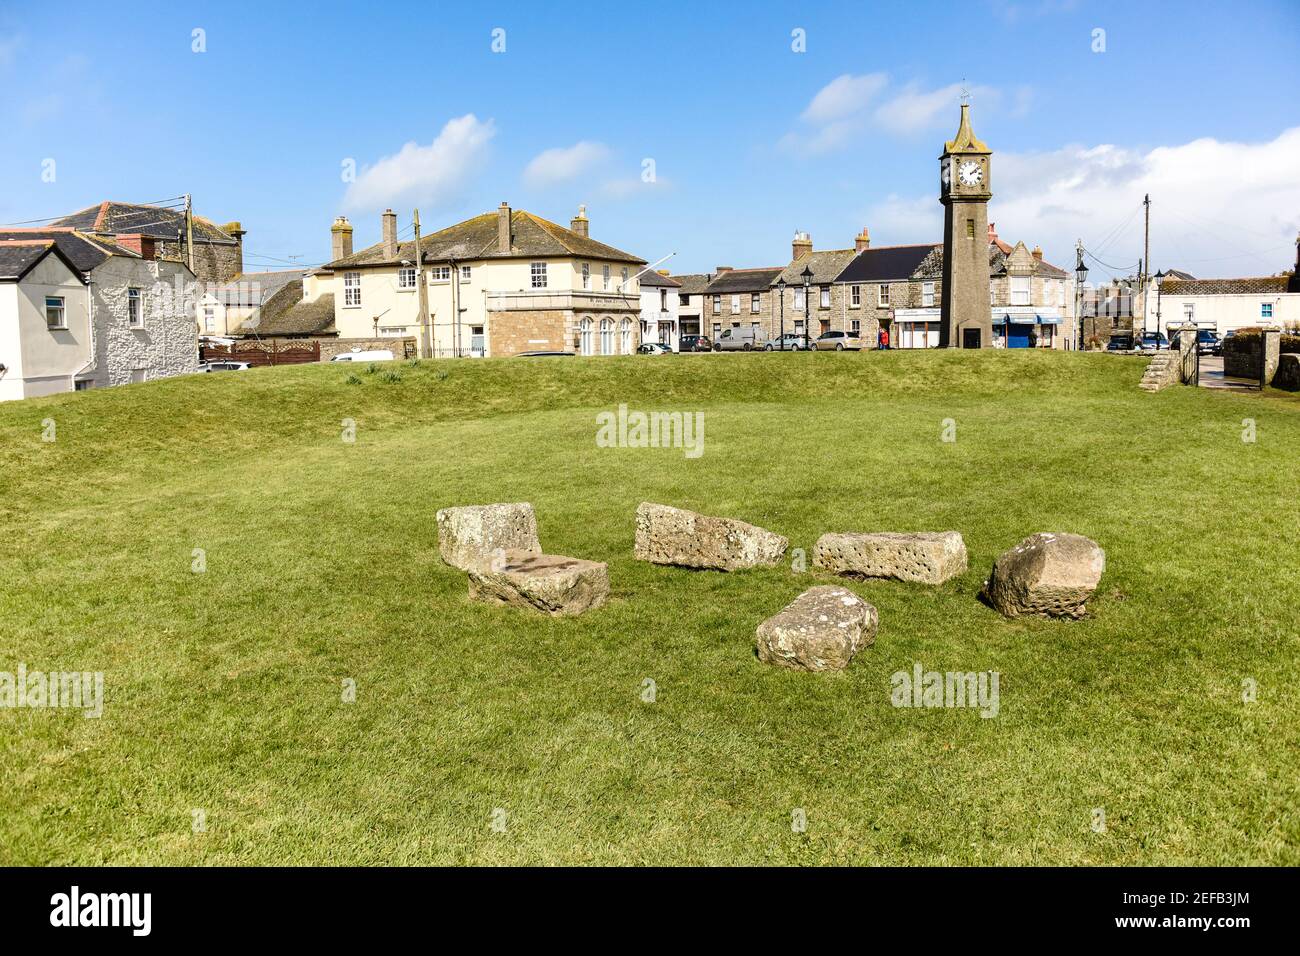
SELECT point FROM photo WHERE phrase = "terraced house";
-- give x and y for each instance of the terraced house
(827, 306)
(124, 319)
(739, 298)
(498, 284)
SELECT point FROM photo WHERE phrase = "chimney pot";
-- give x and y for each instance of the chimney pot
(388, 226)
(579, 223)
(993, 232)
(802, 245)
(503, 229)
(720, 269)
(862, 240)
(341, 238)
(1038, 253)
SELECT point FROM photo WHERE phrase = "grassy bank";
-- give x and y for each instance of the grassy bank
(223, 688)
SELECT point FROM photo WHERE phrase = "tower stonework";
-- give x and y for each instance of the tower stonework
(965, 318)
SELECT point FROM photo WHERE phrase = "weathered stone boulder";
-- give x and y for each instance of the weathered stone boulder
(666, 535)
(1047, 574)
(468, 536)
(820, 630)
(1288, 372)
(930, 557)
(550, 583)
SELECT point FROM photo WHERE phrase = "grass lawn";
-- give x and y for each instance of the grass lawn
(223, 689)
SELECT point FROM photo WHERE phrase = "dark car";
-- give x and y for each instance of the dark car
(1208, 343)
(1119, 344)
(695, 343)
(1153, 341)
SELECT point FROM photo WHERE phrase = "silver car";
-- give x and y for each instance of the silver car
(838, 341)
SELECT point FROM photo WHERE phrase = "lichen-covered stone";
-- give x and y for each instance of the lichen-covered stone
(667, 535)
(822, 629)
(928, 557)
(549, 583)
(1049, 574)
(469, 536)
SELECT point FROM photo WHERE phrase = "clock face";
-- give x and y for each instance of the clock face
(970, 173)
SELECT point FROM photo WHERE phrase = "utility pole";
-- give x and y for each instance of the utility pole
(1146, 259)
(426, 344)
(189, 231)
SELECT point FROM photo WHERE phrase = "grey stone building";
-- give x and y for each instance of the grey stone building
(826, 307)
(740, 298)
(218, 250)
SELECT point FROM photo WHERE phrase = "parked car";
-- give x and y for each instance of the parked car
(545, 353)
(1153, 341)
(224, 367)
(363, 355)
(1208, 342)
(738, 340)
(790, 342)
(653, 348)
(1120, 343)
(837, 341)
(695, 343)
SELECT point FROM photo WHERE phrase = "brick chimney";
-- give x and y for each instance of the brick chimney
(503, 229)
(718, 270)
(801, 246)
(579, 223)
(993, 232)
(341, 238)
(388, 226)
(141, 245)
(1038, 253)
(862, 240)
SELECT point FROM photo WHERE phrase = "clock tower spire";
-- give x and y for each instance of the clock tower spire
(965, 317)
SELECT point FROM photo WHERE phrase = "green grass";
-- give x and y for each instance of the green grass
(223, 689)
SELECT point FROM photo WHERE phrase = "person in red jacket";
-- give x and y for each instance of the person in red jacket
(884, 338)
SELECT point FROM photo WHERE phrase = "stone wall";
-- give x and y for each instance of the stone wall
(213, 262)
(330, 347)
(510, 333)
(1243, 353)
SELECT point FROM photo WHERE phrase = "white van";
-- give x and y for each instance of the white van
(374, 355)
(735, 340)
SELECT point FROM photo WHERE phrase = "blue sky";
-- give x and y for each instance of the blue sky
(750, 140)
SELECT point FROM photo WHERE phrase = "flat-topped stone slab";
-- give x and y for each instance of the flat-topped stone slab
(667, 535)
(550, 583)
(928, 557)
(822, 629)
(469, 535)
(1052, 574)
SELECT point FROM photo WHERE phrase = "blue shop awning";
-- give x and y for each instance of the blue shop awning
(1026, 320)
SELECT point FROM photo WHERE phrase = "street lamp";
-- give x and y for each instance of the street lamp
(1080, 277)
(780, 290)
(807, 275)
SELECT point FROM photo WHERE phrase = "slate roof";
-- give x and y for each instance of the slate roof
(19, 257)
(694, 283)
(1178, 274)
(286, 314)
(653, 278)
(530, 236)
(998, 254)
(84, 252)
(743, 280)
(892, 263)
(157, 221)
(826, 266)
(1259, 285)
(256, 288)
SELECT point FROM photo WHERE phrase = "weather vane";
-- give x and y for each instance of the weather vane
(965, 93)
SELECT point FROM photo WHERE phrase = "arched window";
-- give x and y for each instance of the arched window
(626, 345)
(606, 336)
(586, 337)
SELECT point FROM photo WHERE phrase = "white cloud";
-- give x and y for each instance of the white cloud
(848, 109)
(1217, 208)
(914, 109)
(564, 163)
(844, 96)
(427, 174)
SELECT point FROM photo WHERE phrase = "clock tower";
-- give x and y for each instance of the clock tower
(965, 317)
